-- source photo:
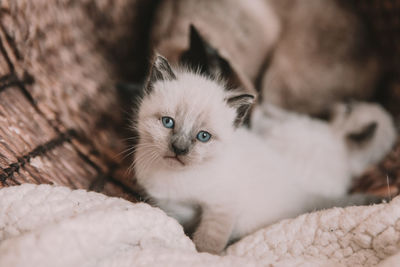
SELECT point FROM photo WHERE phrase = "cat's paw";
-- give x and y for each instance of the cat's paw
(207, 243)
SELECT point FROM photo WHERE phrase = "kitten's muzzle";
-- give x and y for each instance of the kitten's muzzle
(179, 151)
(176, 158)
(180, 144)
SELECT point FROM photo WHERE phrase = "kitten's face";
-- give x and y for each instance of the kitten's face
(183, 121)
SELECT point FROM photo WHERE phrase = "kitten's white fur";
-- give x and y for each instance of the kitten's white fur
(242, 180)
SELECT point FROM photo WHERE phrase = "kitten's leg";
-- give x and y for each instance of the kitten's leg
(214, 230)
(186, 214)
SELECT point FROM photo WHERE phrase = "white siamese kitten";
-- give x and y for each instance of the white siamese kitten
(196, 162)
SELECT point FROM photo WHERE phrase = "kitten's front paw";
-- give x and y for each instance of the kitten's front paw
(207, 243)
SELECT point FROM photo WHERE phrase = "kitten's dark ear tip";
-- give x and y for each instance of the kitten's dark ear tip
(242, 99)
(159, 60)
(160, 69)
(196, 42)
(365, 134)
(194, 32)
(250, 96)
(242, 103)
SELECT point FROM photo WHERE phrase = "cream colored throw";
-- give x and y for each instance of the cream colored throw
(55, 226)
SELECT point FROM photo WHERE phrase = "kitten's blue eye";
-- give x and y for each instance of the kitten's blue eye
(203, 136)
(168, 122)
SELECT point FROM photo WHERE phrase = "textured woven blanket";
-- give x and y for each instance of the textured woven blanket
(55, 226)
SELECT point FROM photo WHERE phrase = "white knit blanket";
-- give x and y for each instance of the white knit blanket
(55, 226)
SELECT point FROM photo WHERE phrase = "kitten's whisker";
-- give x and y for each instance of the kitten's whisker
(125, 151)
(130, 138)
(135, 161)
(133, 164)
(146, 160)
(144, 157)
(152, 157)
(129, 152)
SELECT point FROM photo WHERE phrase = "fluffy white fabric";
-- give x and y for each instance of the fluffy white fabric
(55, 226)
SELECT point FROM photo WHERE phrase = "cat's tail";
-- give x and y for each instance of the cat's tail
(368, 132)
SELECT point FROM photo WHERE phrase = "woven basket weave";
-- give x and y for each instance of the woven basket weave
(61, 119)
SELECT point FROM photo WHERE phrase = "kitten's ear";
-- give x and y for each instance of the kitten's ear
(242, 104)
(205, 57)
(160, 70)
(199, 54)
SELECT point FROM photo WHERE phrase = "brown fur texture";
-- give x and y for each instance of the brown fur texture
(323, 56)
(242, 31)
(301, 55)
